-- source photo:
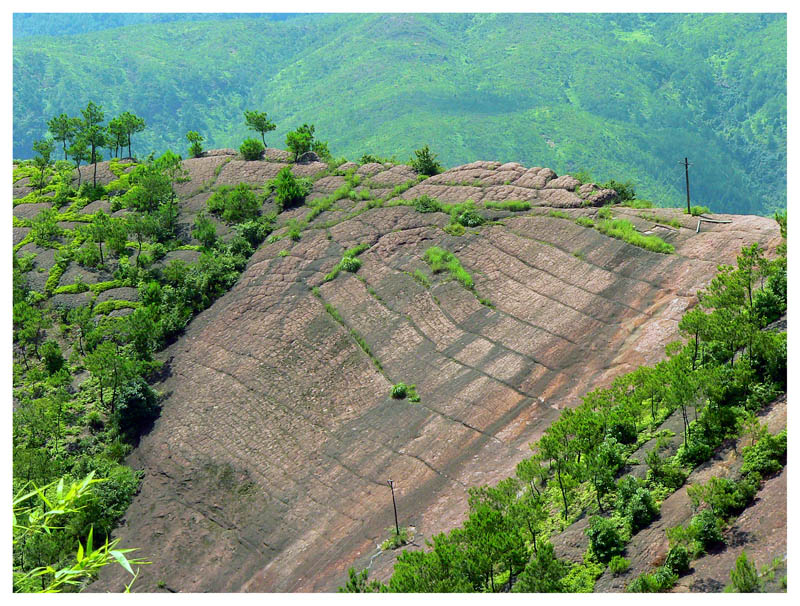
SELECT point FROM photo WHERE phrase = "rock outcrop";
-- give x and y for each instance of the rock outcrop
(267, 469)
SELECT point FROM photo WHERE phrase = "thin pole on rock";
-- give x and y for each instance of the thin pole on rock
(394, 504)
(686, 166)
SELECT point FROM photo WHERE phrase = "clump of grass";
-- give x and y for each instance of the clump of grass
(349, 262)
(442, 260)
(283, 253)
(699, 210)
(512, 205)
(584, 222)
(401, 391)
(454, 229)
(624, 230)
(604, 213)
(396, 539)
(426, 204)
(637, 204)
(420, 277)
(466, 215)
(558, 214)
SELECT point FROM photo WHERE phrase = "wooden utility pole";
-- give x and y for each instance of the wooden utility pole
(394, 503)
(688, 204)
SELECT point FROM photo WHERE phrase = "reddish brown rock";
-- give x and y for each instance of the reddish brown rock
(266, 470)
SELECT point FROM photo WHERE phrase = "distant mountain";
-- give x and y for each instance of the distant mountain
(622, 96)
(65, 24)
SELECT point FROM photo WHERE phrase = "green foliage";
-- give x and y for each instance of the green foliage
(401, 391)
(705, 529)
(196, 141)
(426, 204)
(441, 260)
(204, 230)
(698, 210)
(584, 222)
(251, 149)
(605, 539)
(725, 497)
(465, 214)
(604, 213)
(259, 122)
(659, 581)
(624, 230)
(543, 574)
(767, 456)
(234, 204)
(617, 565)
(396, 539)
(301, 140)
(424, 162)
(625, 191)
(44, 228)
(289, 191)
(40, 513)
(420, 277)
(357, 583)
(512, 205)
(666, 67)
(349, 262)
(558, 214)
(744, 576)
(678, 560)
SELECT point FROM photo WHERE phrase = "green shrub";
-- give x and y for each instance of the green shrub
(424, 162)
(625, 191)
(196, 147)
(466, 215)
(558, 214)
(289, 191)
(204, 230)
(584, 222)
(399, 391)
(52, 357)
(236, 204)
(426, 204)
(91, 192)
(744, 576)
(660, 580)
(678, 560)
(251, 149)
(618, 565)
(138, 408)
(605, 539)
(705, 528)
(767, 456)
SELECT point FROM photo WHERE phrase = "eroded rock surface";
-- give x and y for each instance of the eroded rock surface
(267, 468)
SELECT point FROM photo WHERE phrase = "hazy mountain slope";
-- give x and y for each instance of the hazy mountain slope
(613, 94)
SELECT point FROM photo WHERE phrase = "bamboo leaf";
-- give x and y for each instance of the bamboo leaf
(123, 561)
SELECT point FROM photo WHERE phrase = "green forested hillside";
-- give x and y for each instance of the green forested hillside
(622, 96)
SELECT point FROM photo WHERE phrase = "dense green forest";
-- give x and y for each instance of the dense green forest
(728, 368)
(616, 95)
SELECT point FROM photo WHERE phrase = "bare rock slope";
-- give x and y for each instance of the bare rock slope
(267, 468)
